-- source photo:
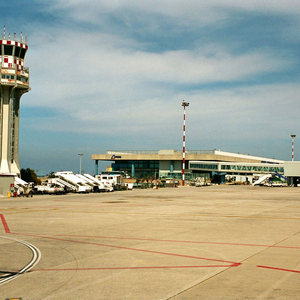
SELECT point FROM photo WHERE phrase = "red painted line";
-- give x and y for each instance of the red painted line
(178, 241)
(232, 264)
(134, 268)
(6, 228)
(278, 269)
(133, 249)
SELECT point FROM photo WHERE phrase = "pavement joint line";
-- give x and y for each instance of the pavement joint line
(154, 214)
(239, 216)
(30, 211)
(191, 287)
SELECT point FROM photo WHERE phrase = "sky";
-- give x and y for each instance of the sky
(112, 75)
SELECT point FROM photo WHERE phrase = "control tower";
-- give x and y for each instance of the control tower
(14, 82)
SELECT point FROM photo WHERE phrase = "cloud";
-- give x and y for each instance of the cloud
(99, 81)
(77, 65)
(193, 10)
(105, 75)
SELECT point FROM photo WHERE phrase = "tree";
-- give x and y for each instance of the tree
(29, 175)
(51, 175)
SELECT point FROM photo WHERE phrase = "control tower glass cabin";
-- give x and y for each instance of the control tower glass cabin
(14, 83)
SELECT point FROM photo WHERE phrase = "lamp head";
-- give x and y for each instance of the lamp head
(185, 104)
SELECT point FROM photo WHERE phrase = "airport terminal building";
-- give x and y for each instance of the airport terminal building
(199, 163)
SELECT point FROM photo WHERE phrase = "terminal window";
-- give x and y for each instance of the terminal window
(7, 76)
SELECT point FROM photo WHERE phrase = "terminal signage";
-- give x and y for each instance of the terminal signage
(115, 156)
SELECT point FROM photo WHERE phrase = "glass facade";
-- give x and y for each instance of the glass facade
(253, 168)
(237, 167)
(142, 168)
(209, 167)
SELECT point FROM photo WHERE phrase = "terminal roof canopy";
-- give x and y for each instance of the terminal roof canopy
(201, 155)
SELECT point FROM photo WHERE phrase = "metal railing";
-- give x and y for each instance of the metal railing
(111, 152)
(131, 152)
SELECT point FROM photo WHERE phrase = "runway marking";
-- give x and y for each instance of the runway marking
(232, 264)
(134, 268)
(179, 241)
(4, 224)
(169, 216)
(279, 269)
(35, 259)
(37, 253)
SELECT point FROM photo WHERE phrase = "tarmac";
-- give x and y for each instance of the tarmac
(215, 242)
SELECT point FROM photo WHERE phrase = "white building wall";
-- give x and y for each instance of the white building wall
(292, 168)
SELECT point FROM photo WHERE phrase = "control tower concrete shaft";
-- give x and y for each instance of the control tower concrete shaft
(14, 82)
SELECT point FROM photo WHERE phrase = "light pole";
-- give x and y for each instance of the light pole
(184, 104)
(293, 138)
(80, 156)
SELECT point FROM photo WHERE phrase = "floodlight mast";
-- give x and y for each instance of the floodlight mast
(184, 104)
(293, 139)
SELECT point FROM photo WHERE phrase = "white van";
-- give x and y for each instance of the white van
(112, 179)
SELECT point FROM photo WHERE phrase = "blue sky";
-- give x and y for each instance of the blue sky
(112, 75)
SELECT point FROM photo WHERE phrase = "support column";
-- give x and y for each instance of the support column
(15, 165)
(96, 167)
(5, 130)
(132, 169)
(172, 166)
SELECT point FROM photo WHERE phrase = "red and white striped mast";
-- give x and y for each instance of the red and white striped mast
(184, 104)
(293, 138)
